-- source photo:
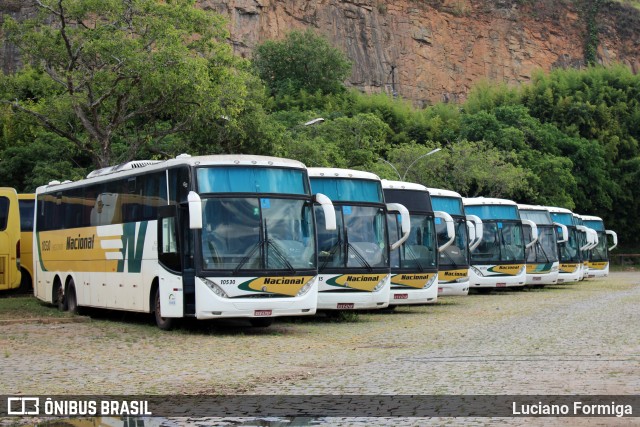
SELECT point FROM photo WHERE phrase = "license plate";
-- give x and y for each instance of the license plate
(537, 278)
(560, 280)
(440, 290)
(501, 285)
(345, 306)
(400, 296)
(262, 313)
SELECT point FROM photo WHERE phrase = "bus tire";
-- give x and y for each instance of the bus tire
(26, 285)
(260, 322)
(60, 298)
(164, 323)
(72, 300)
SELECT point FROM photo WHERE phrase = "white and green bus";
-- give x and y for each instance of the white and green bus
(354, 260)
(568, 251)
(453, 263)
(542, 260)
(588, 240)
(210, 237)
(599, 255)
(499, 260)
(414, 265)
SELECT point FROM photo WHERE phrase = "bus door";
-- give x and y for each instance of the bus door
(170, 290)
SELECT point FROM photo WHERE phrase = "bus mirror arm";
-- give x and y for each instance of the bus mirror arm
(471, 228)
(565, 232)
(589, 239)
(451, 231)
(615, 238)
(594, 238)
(479, 231)
(195, 211)
(328, 209)
(534, 232)
(405, 224)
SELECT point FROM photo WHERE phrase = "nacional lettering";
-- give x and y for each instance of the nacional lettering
(284, 281)
(362, 279)
(74, 243)
(455, 273)
(414, 277)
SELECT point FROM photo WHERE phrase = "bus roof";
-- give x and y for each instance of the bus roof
(443, 193)
(341, 173)
(554, 209)
(526, 207)
(133, 167)
(591, 218)
(401, 185)
(480, 201)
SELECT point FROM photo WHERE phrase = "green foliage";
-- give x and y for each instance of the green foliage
(302, 61)
(133, 71)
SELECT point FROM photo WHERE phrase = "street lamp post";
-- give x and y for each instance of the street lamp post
(412, 163)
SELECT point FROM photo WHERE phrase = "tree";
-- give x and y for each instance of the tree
(127, 73)
(302, 61)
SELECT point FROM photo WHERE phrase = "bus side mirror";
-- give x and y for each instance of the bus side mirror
(615, 238)
(195, 211)
(405, 223)
(534, 232)
(563, 231)
(451, 230)
(328, 209)
(479, 231)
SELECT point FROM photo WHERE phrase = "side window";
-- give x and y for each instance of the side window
(4, 213)
(168, 248)
(26, 214)
(178, 185)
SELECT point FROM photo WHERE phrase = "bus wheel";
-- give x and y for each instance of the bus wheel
(164, 323)
(72, 300)
(61, 300)
(260, 322)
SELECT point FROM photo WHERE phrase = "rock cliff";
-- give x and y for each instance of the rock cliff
(431, 50)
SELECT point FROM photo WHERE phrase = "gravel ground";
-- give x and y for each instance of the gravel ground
(575, 339)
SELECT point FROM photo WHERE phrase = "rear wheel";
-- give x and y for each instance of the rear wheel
(164, 323)
(60, 298)
(260, 322)
(72, 300)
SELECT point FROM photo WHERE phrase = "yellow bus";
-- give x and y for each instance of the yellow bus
(9, 239)
(26, 203)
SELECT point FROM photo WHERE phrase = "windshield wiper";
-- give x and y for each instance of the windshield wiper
(276, 250)
(248, 256)
(415, 258)
(362, 259)
(331, 251)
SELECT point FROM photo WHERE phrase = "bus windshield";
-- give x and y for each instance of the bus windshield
(546, 248)
(600, 252)
(501, 241)
(456, 254)
(359, 241)
(251, 233)
(26, 214)
(570, 251)
(419, 251)
(241, 179)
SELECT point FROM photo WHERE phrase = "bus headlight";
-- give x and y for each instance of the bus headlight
(215, 288)
(431, 281)
(380, 284)
(554, 268)
(476, 271)
(307, 287)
